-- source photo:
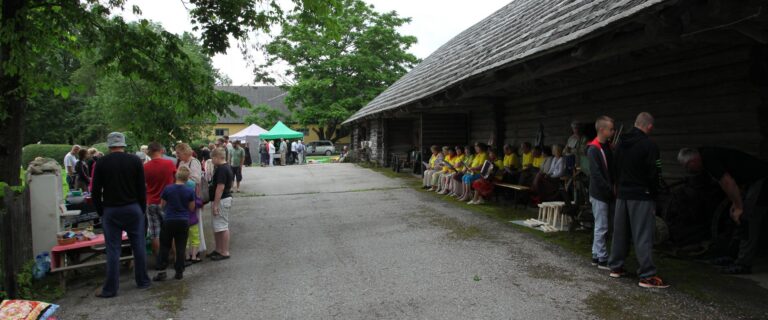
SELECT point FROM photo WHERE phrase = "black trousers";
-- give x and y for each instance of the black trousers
(173, 231)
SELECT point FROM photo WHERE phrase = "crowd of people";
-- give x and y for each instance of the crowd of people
(150, 195)
(287, 152)
(624, 181)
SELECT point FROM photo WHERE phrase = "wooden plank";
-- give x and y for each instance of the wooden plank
(88, 264)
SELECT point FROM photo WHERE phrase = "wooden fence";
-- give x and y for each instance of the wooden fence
(15, 237)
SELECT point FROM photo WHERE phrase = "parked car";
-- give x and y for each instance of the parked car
(325, 147)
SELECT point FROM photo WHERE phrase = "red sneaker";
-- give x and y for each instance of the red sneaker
(653, 282)
(617, 273)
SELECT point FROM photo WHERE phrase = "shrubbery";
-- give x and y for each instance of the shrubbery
(53, 151)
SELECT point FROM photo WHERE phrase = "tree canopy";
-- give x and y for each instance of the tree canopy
(334, 74)
(36, 35)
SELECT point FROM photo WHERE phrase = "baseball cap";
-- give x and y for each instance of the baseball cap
(115, 139)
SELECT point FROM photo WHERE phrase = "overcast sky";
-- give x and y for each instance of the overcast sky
(434, 22)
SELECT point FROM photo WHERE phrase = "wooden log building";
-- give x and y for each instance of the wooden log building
(699, 66)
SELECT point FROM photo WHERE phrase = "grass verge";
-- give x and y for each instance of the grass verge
(697, 280)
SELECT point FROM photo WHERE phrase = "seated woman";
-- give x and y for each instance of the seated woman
(430, 169)
(457, 187)
(484, 186)
(448, 171)
(528, 174)
(442, 166)
(510, 169)
(473, 172)
(547, 184)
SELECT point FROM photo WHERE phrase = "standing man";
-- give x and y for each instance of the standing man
(220, 186)
(263, 155)
(119, 197)
(70, 160)
(294, 155)
(731, 169)
(238, 161)
(300, 149)
(638, 173)
(283, 151)
(158, 173)
(600, 158)
(271, 150)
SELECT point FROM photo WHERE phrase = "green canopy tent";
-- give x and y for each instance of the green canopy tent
(280, 130)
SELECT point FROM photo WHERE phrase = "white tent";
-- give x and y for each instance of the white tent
(251, 136)
(251, 131)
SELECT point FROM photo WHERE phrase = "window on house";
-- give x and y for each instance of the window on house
(221, 132)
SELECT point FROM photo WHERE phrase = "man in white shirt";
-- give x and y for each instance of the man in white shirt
(70, 160)
(294, 155)
(271, 150)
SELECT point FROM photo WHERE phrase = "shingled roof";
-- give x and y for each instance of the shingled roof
(256, 95)
(520, 30)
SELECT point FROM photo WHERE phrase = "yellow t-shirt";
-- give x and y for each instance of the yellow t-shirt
(527, 159)
(468, 160)
(448, 159)
(456, 161)
(538, 161)
(432, 160)
(479, 160)
(499, 168)
(510, 161)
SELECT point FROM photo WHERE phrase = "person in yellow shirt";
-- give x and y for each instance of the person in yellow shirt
(484, 186)
(467, 154)
(529, 173)
(430, 168)
(437, 178)
(527, 156)
(510, 169)
(457, 155)
(473, 172)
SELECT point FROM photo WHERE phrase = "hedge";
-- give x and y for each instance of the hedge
(53, 151)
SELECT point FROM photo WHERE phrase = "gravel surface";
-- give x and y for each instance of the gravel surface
(338, 241)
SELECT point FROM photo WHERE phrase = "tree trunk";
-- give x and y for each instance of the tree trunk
(12, 101)
(320, 133)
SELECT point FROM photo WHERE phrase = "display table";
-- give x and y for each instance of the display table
(80, 255)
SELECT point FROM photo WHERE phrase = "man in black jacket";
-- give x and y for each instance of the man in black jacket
(733, 168)
(600, 158)
(119, 195)
(638, 176)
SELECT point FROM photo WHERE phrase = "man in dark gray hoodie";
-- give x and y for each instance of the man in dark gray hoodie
(600, 157)
(638, 177)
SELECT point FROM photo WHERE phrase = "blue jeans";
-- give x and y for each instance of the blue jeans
(130, 219)
(599, 241)
(469, 178)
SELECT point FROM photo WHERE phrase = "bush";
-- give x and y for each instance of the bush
(102, 147)
(53, 151)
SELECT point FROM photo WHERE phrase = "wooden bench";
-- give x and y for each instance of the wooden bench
(516, 189)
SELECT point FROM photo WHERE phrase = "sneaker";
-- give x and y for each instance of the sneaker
(603, 265)
(594, 262)
(179, 275)
(653, 282)
(617, 273)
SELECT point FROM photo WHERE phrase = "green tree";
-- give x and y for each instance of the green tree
(265, 116)
(335, 75)
(34, 31)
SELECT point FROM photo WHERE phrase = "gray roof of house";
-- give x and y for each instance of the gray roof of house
(522, 29)
(256, 95)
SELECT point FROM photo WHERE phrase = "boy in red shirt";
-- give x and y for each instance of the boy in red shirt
(158, 173)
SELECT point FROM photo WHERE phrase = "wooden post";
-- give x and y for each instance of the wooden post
(16, 237)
